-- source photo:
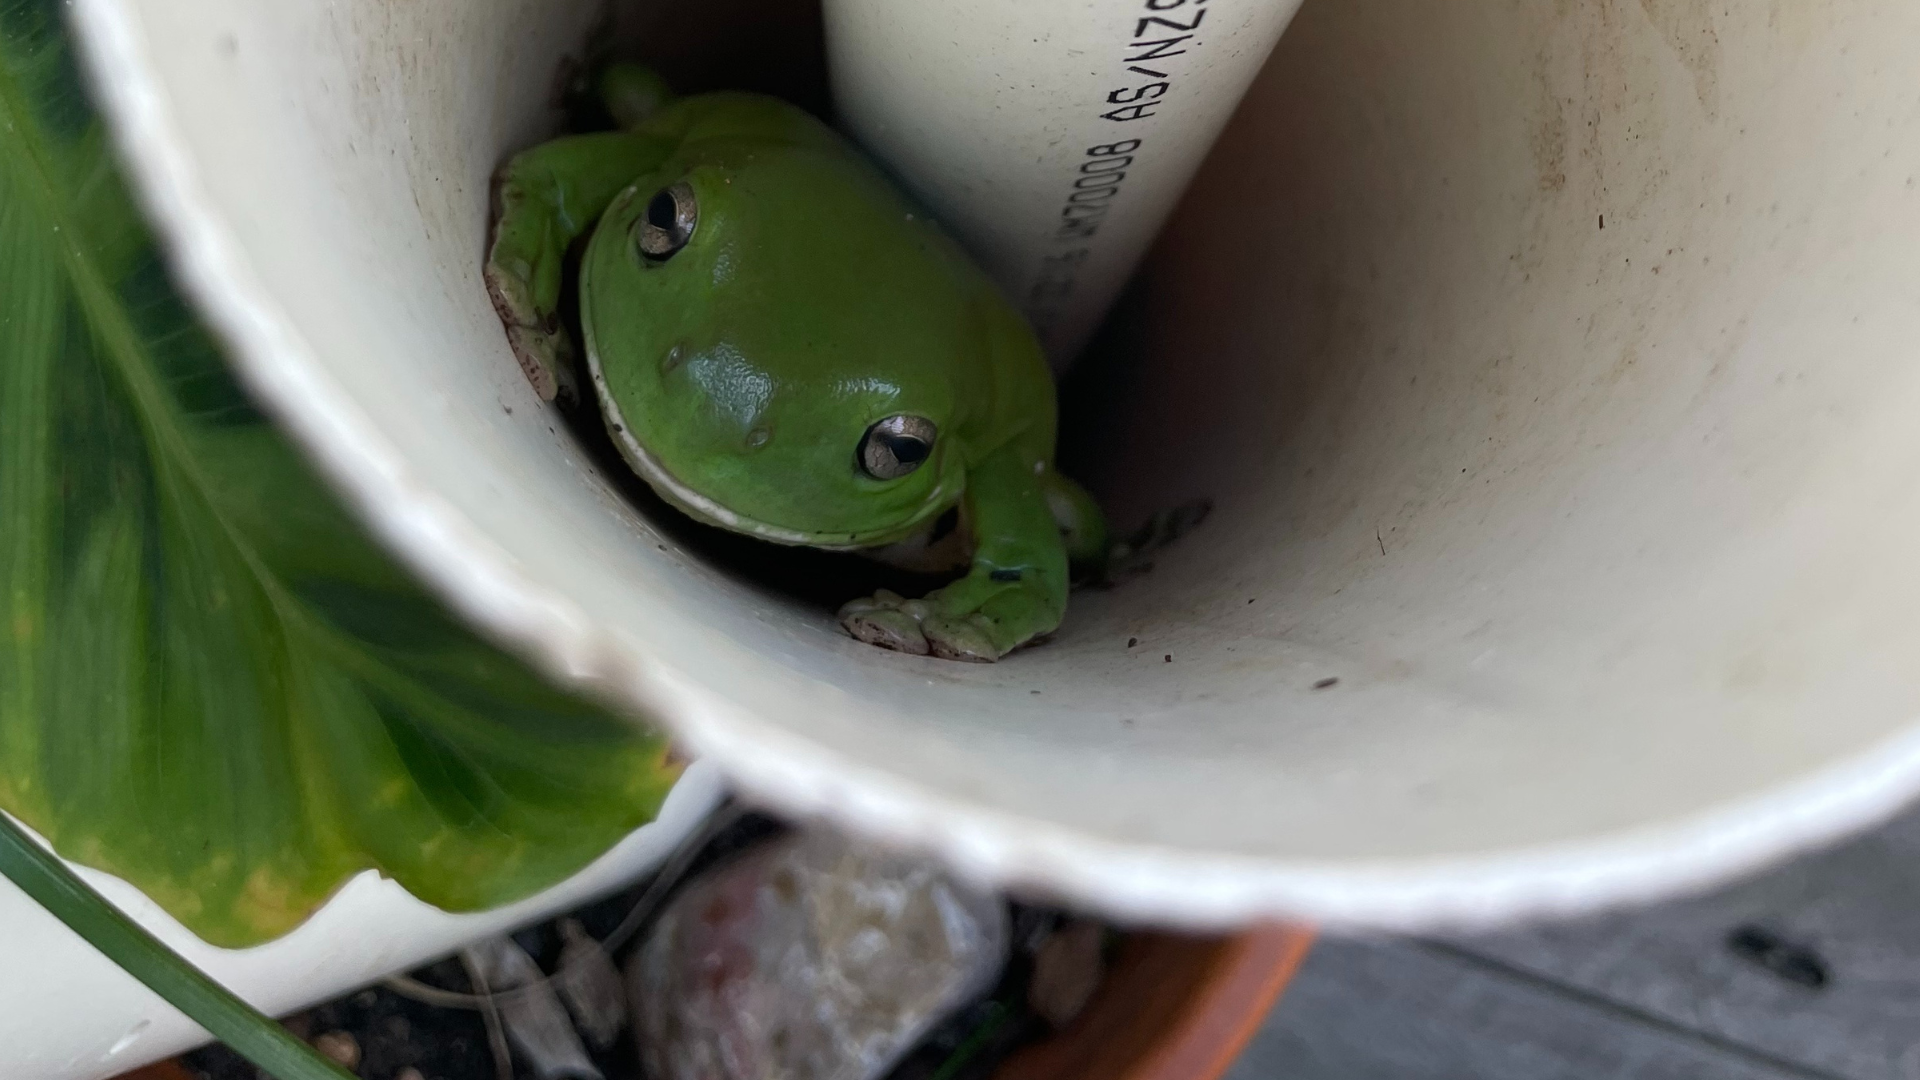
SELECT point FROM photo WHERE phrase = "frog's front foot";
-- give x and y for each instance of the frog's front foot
(953, 624)
(892, 621)
(888, 620)
(540, 343)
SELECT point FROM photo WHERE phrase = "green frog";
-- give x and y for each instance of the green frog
(782, 344)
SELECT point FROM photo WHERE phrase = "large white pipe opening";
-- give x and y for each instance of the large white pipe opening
(1550, 367)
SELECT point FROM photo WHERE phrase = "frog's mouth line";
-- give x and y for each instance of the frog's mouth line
(699, 506)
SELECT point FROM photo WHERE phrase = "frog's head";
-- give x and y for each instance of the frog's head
(782, 347)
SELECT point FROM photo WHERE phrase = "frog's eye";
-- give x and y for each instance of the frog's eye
(896, 446)
(668, 223)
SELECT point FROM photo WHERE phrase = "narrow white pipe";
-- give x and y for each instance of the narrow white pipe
(1052, 138)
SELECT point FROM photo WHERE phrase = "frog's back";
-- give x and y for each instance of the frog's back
(895, 252)
(742, 118)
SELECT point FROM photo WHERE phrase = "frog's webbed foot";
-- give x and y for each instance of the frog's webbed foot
(522, 275)
(961, 622)
(542, 346)
(894, 622)
(888, 620)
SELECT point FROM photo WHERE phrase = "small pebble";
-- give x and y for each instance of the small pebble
(339, 1047)
(1066, 971)
(809, 958)
(408, 1073)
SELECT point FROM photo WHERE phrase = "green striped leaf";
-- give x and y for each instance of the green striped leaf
(212, 682)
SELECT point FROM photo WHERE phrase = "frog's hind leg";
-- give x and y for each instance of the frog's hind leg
(632, 93)
(1083, 528)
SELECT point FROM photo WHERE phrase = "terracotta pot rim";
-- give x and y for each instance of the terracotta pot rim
(1174, 1007)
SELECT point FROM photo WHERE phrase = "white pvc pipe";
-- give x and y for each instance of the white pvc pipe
(1052, 138)
(1551, 368)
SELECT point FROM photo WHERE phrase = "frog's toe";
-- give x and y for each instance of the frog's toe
(510, 290)
(965, 637)
(545, 356)
(894, 630)
(887, 620)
